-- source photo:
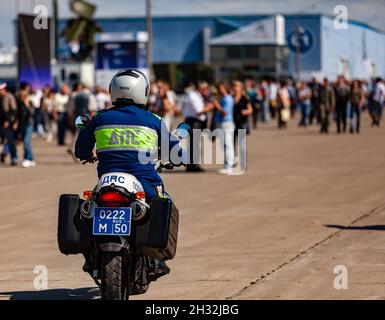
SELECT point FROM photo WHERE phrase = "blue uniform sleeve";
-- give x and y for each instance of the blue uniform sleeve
(85, 142)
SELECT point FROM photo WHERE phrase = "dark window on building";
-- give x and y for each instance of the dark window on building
(63, 74)
(251, 52)
(73, 77)
(234, 52)
(161, 71)
(252, 68)
(218, 53)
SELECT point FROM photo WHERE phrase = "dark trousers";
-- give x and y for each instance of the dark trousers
(2, 133)
(61, 127)
(341, 116)
(324, 118)
(314, 112)
(273, 107)
(375, 112)
(356, 113)
(305, 110)
(38, 121)
(194, 145)
(10, 144)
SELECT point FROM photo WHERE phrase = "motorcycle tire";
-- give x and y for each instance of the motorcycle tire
(113, 277)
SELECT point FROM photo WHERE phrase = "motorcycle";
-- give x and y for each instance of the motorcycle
(120, 235)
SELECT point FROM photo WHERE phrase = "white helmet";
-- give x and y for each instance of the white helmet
(129, 86)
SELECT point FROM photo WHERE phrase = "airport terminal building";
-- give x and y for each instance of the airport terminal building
(186, 48)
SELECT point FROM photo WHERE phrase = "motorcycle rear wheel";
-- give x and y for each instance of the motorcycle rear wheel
(113, 276)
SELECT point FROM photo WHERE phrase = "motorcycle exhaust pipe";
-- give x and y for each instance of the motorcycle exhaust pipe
(85, 209)
(140, 210)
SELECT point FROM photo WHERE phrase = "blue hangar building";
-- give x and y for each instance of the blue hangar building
(188, 48)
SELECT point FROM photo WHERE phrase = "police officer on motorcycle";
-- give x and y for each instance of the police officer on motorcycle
(121, 132)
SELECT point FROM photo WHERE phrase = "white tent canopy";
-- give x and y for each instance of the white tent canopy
(269, 31)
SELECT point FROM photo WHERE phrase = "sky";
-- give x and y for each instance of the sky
(368, 11)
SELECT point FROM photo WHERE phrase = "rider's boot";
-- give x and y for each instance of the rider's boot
(157, 269)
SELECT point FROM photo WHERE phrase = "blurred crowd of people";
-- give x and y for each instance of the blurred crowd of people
(46, 113)
(314, 101)
(50, 114)
(241, 105)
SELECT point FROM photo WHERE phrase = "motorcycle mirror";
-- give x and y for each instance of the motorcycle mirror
(82, 121)
(183, 130)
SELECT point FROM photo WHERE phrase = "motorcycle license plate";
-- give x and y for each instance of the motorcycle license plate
(112, 221)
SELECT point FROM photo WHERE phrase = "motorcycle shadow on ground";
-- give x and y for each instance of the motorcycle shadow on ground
(90, 293)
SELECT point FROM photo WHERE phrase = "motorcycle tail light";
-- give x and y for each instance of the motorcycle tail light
(112, 198)
(88, 194)
(140, 195)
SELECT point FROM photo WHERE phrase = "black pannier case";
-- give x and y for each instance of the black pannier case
(157, 237)
(72, 233)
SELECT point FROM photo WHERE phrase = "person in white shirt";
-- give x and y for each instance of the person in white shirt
(48, 108)
(38, 116)
(61, 112)
(195, 106)
(103, 100)
(273, 94)
(92, 106)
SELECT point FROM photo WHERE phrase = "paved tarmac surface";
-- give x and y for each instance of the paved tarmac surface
(307, 204)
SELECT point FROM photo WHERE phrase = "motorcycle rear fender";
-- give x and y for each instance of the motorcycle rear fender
(110, 247)
(110, 244)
